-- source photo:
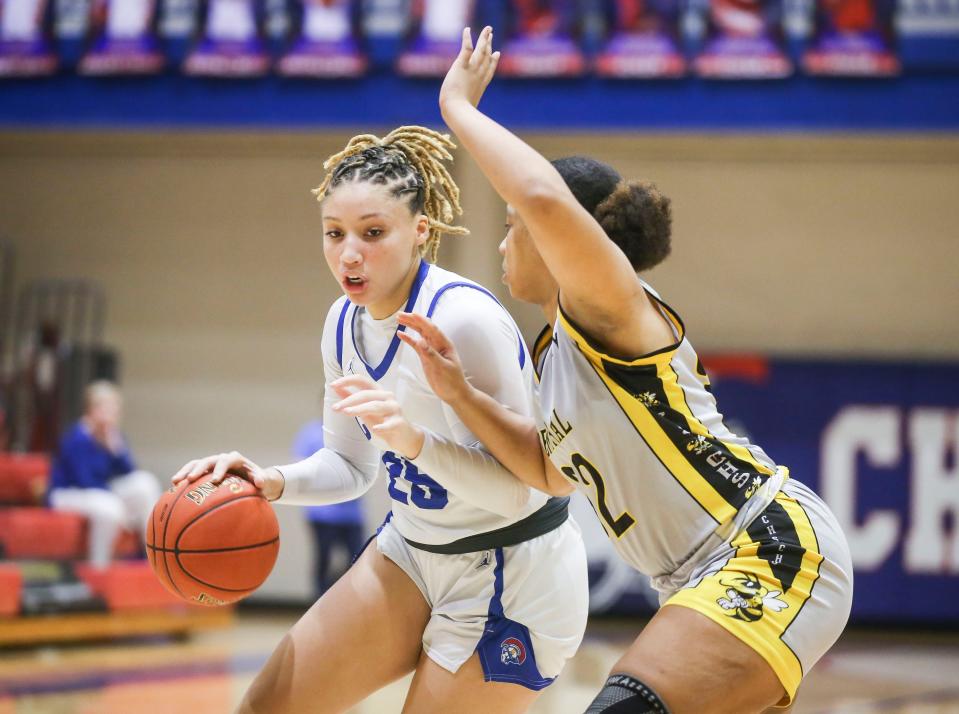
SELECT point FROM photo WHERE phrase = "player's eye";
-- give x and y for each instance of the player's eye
(334, 233)
(374, 232)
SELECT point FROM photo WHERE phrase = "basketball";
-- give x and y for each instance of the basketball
(212, 544)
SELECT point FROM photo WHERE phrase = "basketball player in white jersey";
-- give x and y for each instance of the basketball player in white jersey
(753, 571)
(476, 581)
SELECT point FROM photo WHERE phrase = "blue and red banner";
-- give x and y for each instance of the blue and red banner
(644, 41)
(326, 41)
(26, 49)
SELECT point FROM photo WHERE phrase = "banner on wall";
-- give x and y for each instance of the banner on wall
(542, 43)
(436, 35)
(644, 41)
(124, 38)
(852, 38)
(231, 42)
(325, 41)
(26, 49)
(744, 40)
(879, 442)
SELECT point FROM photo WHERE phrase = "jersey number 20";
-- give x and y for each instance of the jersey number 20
(424, 491)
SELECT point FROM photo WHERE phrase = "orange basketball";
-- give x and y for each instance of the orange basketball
(212, 544)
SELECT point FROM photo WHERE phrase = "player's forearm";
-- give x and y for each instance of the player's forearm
(473, 475)
(323, 478)
(510, 437)
(520, 175)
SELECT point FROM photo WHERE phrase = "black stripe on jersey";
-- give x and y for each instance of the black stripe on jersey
(701, 369)
(732, 478)
(779, 543)
(540, 346)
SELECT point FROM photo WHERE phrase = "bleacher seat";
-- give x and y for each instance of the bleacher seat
(23, 478)
(42, 533)
(127, 586)
(11, 583)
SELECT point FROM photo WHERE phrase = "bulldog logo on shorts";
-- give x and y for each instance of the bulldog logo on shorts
(512, 651)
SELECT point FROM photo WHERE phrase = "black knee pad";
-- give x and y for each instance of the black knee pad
(624, 694)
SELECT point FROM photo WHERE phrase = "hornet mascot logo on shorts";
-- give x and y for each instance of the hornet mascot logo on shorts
(746, 599)
(512, 651)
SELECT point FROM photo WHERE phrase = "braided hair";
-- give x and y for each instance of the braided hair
(409, 163)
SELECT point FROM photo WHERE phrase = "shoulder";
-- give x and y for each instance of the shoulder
(468, 305)
(76, 435)
(332, 332)
(336, 310)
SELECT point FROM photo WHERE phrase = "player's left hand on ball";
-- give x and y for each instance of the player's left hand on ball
(378, 409)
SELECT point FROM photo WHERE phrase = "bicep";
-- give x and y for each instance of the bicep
(491, 350)
(580, 256)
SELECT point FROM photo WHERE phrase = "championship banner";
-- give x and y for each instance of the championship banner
(852, 38)
(25, 46)
(125, 40)
(879, 442)
(644, 42)
(541, 43)
(231, 42)
(325, 43)
(436, 38)
(743, 41)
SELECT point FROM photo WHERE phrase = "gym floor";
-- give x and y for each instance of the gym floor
(867, 672)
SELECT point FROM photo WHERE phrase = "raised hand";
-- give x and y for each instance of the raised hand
(378, 409)
(270, 481)
(441, 364)
(472, 70)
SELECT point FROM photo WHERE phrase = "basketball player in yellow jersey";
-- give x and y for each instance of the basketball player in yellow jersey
(753, 572)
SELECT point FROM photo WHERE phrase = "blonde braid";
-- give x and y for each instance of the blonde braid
(406, 154)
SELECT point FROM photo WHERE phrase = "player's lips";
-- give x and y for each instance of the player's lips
(353, 283)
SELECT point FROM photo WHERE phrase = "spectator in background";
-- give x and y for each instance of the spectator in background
(94, 475)
(339, 524)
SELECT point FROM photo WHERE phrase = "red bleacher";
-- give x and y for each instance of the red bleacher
(11, 582)
(23, 478)
(127, 586)
(28, 529)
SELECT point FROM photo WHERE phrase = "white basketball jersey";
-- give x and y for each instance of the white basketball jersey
(423, 510)
(643, 439)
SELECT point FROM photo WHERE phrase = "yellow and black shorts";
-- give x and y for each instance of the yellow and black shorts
(783, 586)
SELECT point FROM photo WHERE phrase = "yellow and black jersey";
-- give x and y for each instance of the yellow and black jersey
(644, 440)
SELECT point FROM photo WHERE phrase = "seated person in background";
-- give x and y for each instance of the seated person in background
(93, 474)
(339, 524)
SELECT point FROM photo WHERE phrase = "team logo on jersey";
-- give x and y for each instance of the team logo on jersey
(753, 487)
(648, 399)
(699, 445)
(747, 600)
(512, 651)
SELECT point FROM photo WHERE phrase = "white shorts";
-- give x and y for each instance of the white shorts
(522, 608)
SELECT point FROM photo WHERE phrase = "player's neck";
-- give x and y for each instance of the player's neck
(391, 304)
(549, 309)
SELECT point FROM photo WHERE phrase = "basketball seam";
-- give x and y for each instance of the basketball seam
(218, 587)
(213, 550)
(176, 544)
(177, 551)
(166, 526)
